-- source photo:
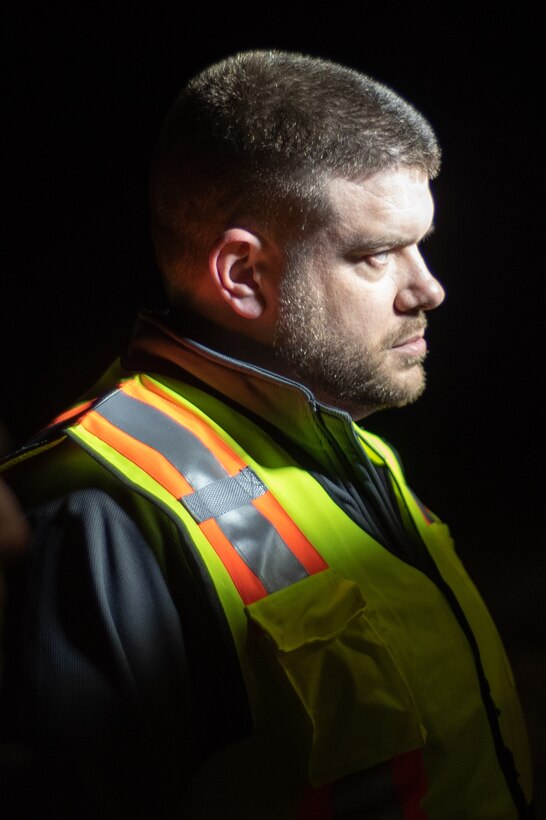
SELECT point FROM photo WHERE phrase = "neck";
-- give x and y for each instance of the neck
(225, 340)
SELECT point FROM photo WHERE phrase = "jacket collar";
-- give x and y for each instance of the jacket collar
(287, 405)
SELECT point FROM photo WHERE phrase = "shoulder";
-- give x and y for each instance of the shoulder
(65, 482)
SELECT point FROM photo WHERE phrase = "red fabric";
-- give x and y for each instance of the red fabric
(410, 782)
(316, 804)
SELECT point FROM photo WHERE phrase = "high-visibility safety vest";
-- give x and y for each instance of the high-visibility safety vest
(374, 686)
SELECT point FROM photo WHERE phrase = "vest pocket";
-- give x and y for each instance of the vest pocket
(325, 642)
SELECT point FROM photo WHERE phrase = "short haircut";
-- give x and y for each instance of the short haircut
(250, 142)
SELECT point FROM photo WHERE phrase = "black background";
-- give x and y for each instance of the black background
(87, 87)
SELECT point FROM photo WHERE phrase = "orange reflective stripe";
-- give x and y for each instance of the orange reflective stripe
(233, 508)
(249, 586)
(229, 460)
(140, 454)
(267, 504)
(156, 465)
(304, 551)
(74, 411)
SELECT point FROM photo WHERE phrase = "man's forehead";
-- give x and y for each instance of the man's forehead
(399, 185)
(397, 200)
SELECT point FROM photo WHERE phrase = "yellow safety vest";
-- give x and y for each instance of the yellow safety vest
(368, 679)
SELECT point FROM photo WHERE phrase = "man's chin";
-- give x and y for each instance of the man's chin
(397, 392)
(376, 399)
(413, 388)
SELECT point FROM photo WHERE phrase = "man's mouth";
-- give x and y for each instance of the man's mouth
(412, 346)
(413, 343)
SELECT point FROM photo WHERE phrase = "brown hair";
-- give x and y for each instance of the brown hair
(250, 141)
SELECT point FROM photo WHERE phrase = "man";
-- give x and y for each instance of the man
(235, 606)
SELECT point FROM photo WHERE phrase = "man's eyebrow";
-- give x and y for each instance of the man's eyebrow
(392, 240)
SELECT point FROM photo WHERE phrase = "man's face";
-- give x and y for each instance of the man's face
(352, 316)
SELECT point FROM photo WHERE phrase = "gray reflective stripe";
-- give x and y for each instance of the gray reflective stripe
(224, 495)
(158, 430)
(261, 547)
(227, 499)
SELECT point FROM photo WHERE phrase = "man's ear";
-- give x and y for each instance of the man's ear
(238, 264)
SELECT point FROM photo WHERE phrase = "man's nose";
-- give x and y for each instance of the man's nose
(419, 289)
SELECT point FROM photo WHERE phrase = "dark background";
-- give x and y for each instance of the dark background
(86, 91)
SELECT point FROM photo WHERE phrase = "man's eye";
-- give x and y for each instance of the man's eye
(373, 260)
(380, 258)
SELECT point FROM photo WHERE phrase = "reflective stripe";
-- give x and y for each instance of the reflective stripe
(257, 542)
(299, 545)
(224, 495)
(141, 454)
(248, 585)
(165, 436)
(231, 462)
(261, 547)
(70, 414)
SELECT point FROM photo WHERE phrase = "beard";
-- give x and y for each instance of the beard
(338, 367)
